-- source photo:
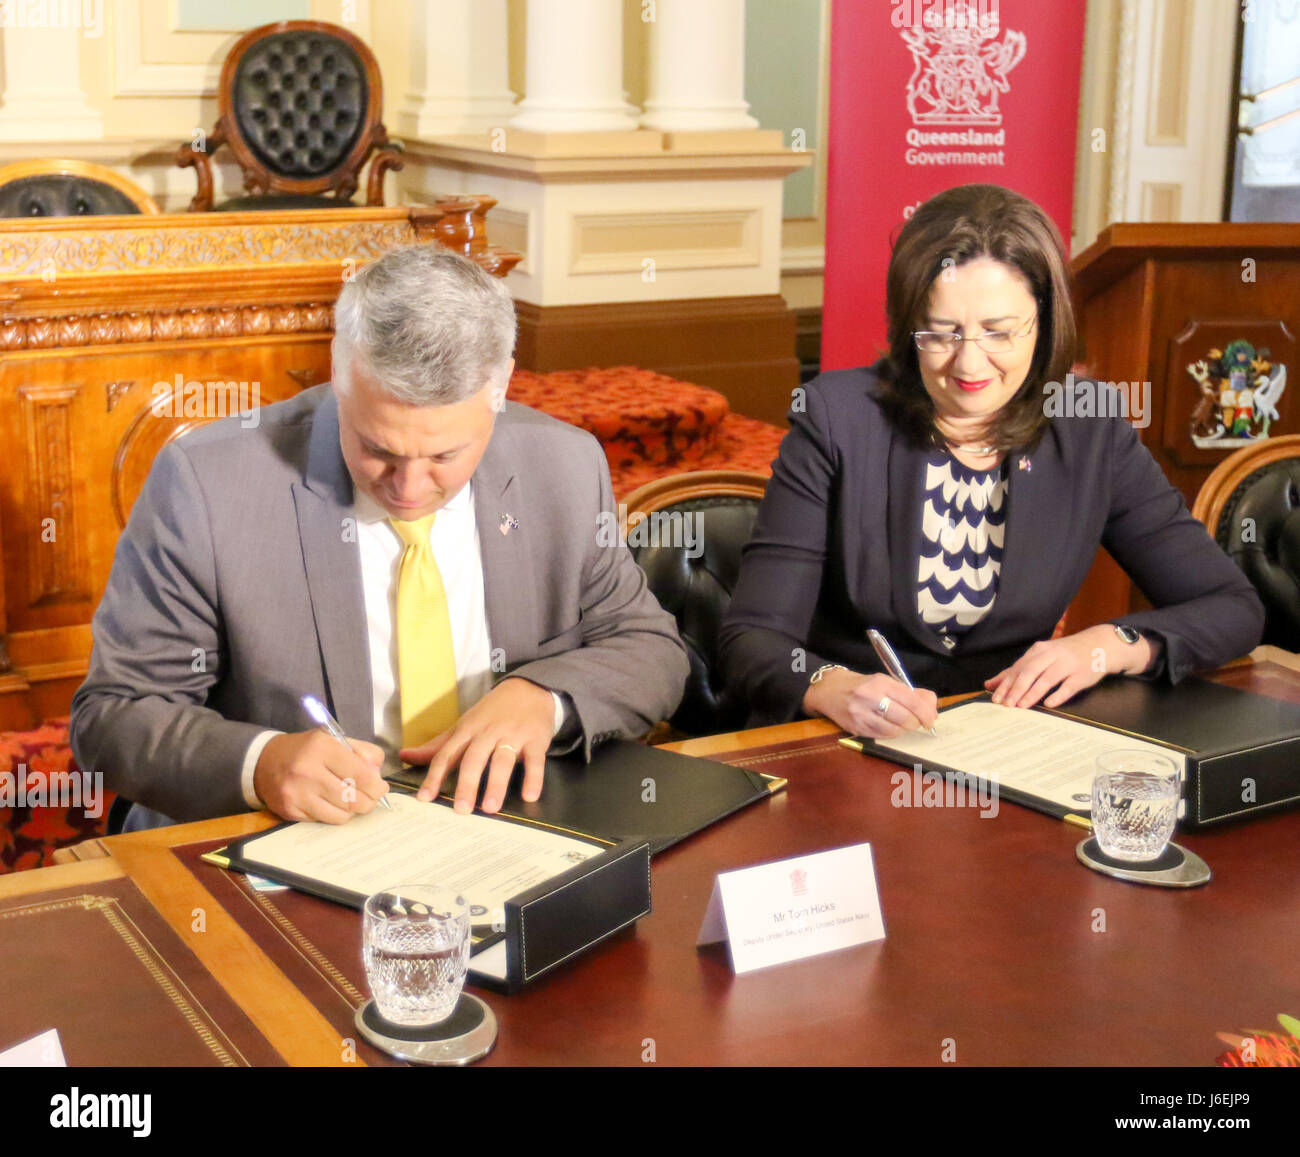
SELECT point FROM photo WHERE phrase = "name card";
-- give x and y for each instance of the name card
(41, 1051)
(792, 909)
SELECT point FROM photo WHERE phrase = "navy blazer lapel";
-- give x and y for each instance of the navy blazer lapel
(332, 559)
(505, 531)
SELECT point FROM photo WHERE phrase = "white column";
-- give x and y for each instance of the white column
(574, 72)
(459, 69)
(43, 99)
(696, 79)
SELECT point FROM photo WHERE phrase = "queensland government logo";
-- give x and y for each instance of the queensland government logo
(961, 59)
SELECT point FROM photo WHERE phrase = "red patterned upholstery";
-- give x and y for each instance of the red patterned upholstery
(30, 835)
(650, 425)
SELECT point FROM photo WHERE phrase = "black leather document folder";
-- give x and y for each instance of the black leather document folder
(1242, 749)
(560, 919)
(629, 789)
(544, 925)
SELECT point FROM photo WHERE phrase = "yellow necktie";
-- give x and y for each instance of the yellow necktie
(426, 662)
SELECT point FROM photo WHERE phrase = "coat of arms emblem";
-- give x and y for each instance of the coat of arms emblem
(1240, 388)
(961, 65)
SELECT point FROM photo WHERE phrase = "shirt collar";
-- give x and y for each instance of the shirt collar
(368, 510)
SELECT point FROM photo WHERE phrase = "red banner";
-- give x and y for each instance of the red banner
(925, 95)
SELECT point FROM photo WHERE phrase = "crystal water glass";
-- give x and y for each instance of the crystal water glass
(1134, 804)
(415, 945)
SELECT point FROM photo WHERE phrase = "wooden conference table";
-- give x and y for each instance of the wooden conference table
(1000, 946)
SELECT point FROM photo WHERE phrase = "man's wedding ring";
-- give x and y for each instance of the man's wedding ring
(507, 747)
(882, 708)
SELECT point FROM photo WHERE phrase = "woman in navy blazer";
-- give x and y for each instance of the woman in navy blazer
(943, 497)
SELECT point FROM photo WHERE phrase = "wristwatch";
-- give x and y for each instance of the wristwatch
(1127, 634)
(820, 673)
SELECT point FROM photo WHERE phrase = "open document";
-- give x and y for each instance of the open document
(1046, 759)
(486, 859)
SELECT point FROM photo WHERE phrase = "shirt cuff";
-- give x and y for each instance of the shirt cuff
(561, 713)
(568, 736)
(251, 756)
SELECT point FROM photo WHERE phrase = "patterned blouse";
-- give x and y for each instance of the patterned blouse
(962, 516)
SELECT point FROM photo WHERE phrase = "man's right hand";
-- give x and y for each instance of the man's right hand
(851, 701)
(308, 775)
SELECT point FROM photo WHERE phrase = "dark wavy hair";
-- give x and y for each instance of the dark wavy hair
(957, 226)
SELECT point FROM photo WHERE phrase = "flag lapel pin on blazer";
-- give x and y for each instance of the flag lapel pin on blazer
(1024, 464)
(508, 523)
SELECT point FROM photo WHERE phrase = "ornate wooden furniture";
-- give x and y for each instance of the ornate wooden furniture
(1251, 505)
(299, 105)
(49, 187)
(117, 335)
(1155, 304)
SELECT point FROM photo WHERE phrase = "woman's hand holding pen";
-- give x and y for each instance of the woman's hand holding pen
(853, 701)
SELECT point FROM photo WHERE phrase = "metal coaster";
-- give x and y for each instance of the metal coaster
(1176, 867)
(466, 1035)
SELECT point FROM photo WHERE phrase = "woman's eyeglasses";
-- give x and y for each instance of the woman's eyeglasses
(994, 341)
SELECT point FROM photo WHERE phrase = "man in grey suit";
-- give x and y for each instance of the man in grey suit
(260, 565)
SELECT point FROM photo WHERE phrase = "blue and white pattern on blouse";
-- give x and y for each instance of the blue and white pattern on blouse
(962, 516)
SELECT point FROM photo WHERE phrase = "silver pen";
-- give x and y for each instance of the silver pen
(885, 653)
(317, 710)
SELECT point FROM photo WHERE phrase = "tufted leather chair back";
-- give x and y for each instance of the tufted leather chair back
(68, 188)
(299, 106)
(62, 195)
(1251, 504)
(690, 553)
(299, 100)
(1270, 556)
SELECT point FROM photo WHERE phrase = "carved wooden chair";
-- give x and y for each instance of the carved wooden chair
(695, 585)
(66, 188)
(1250, 504)
(299, 105)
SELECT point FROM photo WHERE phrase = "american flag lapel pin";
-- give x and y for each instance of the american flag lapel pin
(508, 523)
(1024, 464)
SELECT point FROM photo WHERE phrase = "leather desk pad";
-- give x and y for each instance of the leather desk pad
(315, 943)
(99, 964)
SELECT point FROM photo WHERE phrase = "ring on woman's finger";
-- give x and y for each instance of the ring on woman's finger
(507, 747)
(882, 708)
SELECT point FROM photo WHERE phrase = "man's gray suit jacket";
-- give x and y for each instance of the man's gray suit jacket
(236, 589)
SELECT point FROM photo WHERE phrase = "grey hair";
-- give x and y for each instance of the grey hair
(430, 326)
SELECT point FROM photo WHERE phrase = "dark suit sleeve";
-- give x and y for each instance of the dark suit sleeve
(763, 641)
(1207, 613)
(628, 668)
(139, 718)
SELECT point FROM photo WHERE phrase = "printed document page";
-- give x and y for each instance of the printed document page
(1027, 751)
(486, 860)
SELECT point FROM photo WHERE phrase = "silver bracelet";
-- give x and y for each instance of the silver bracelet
(820, 673)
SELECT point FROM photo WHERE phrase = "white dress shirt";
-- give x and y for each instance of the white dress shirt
(456, 549)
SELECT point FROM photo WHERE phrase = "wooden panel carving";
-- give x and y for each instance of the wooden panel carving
(166, 325)
(113, 391)
(54, 573)
(205, 390)
(96, 249)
